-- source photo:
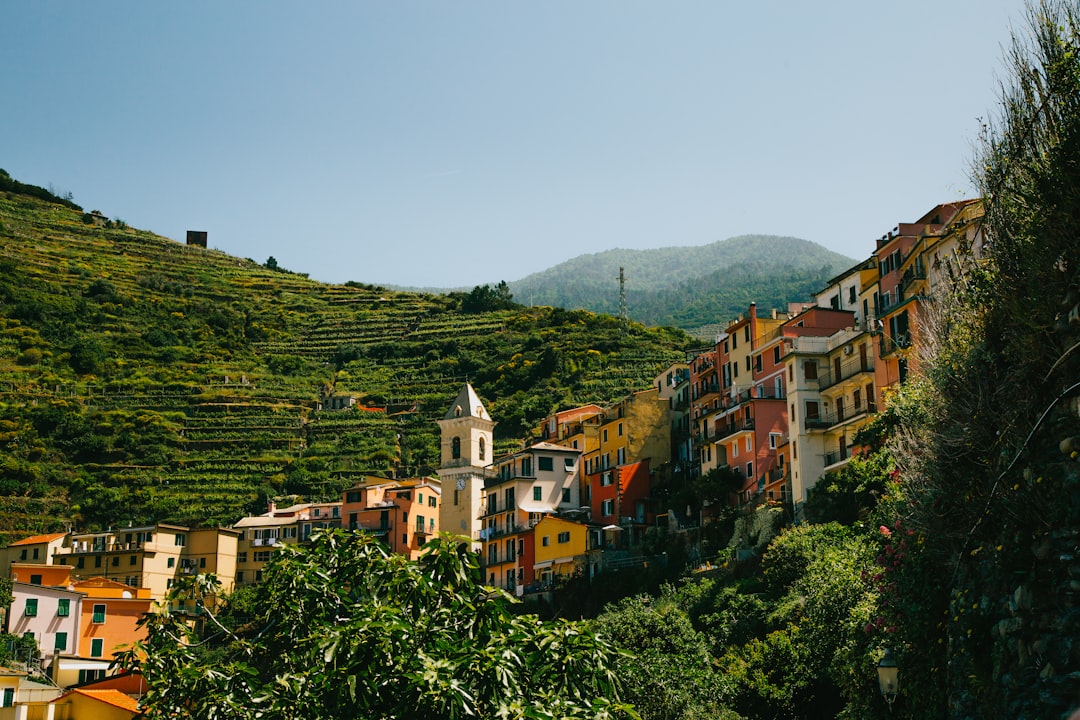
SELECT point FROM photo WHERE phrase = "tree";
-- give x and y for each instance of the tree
(342, 629)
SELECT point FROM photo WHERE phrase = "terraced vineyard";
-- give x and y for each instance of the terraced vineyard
(144, 380)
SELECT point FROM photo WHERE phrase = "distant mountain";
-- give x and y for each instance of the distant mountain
(688, 287)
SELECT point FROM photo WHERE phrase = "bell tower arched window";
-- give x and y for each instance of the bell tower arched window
(455, 448)
(481, 448)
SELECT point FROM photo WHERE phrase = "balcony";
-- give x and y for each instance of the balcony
(490, 533)
(852, 365)
(734, 428)
(827, 421)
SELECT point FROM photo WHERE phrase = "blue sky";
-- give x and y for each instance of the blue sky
(452, 144)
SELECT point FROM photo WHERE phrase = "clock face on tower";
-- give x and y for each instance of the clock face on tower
(461, 483)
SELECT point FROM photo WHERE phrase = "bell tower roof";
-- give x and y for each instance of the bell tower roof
(467, 405)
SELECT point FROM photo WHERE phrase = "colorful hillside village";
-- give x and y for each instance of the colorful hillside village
(778, 398)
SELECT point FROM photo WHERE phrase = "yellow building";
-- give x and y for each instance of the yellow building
(561, 549)
(259, 535)
(152, 557)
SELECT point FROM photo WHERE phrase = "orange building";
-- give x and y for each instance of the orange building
(403, 513)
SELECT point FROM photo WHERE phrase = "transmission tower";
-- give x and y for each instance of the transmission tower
(624, 313)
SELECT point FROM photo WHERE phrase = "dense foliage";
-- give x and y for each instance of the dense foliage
(144, 380)
(983, 602)
(341, 629)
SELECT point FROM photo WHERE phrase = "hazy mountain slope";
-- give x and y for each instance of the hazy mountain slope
(143, 380)
(687, 286)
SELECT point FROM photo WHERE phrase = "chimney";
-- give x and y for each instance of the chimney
(271, 506)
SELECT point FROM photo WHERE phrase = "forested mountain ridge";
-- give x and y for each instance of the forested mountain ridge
(688, 287)
(146, 380)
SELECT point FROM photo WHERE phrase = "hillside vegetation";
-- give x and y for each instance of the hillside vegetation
(144, 380)
(688, 287)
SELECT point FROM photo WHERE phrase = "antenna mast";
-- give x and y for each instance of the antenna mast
(624, 313)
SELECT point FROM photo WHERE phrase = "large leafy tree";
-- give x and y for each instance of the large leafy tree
(342, 629)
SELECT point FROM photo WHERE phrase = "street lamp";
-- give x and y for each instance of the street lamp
(888, 677)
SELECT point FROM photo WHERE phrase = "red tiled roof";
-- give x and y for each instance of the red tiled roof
(38, 539)
(109, 697)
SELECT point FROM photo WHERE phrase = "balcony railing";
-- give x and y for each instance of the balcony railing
(850, 367)
(726, 431)
(829, 420)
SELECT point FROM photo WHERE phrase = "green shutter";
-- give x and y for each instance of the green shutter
(63, 607)
(31, 607)
(97, 647)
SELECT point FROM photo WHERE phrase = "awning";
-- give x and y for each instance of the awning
(542, 565)
(611, 527)
(66, 664)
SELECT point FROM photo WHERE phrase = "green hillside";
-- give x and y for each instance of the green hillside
(142, 380)
(688, 287)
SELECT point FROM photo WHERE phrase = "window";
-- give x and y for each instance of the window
(607, 508)
(97, 561)
(455, 448)
(22, 554)
(262, 556)
(97, 647)
(774, 440)
(545, 464)
(546, 541)
(241, 557)
(538, 492)
(239, 576)
(420, 498)
(179, 540)
(431, 501)
(568, 463)
(99, 614)
(353, 496)
(851, 295)
(171, 562)
(776, 355)
(60, 644)
(810, 369)
(564, 537)
(318, 512)
(749, 470)
(605, 434)
(116, 561)
(734, 342)
(749, 443)
(133, 560)
(482, 446)
(31, 607)
(620, 430)
(63, 607)
(404, 516)
(734, 449)
(80, 563)
(606, 479)
(86, 676)
(35, 579)
(566, 495)
(9, 696)
(202, 562)
(746, 333)
(811, 410)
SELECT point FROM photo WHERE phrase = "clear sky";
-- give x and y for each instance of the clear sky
(456, 143)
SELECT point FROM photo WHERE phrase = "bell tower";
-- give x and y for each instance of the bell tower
(466, 450)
